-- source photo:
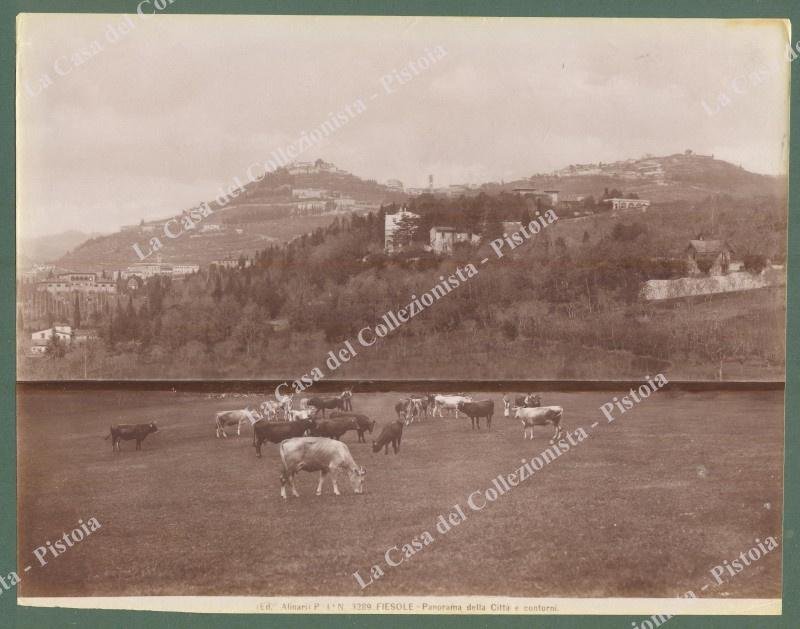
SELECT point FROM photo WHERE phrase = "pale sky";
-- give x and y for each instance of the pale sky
(180, 105)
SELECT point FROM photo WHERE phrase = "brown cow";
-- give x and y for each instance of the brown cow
(365, 424)
(275, 432)
(321, 403)
(126, 432)
(333, 428)
(476, 410)
(391, 433)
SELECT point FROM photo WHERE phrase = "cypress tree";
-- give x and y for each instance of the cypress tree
(76, 313)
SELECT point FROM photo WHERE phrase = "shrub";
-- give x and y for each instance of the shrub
(754, 263)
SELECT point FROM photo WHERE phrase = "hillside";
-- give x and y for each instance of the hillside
(116, 251)
(277, 187)
(682, 176)
(266, 212)
(46, 248)
(272, 209)
(566, 304)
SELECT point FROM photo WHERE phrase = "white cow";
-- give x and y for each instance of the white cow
(235, 418)
(295, 415)
(540, 416)
(417, 408)
(318, 454)
(269, 408)
(448, 402)
(286, 404)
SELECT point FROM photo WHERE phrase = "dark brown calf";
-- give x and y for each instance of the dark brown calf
(275, 432)
(391, 433)
(364, 423)
(333, 428)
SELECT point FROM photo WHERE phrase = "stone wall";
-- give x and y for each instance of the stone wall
(691, 286)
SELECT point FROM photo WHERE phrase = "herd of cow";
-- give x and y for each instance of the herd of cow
(312, 444)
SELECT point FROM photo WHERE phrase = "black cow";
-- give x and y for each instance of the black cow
(333, 428)
(365, 424)
(321, 403)
(275, 432)
(476, 410)
(126, 432)
(391, 433)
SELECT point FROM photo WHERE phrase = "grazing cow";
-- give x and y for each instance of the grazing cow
(275, 432)
(448, 402)
(540, 416)
(391, 433)
(476, 410)
(304, 414)
(365, 424)
(321, 403)
(333, 428)
(318, 454)
(126, 432)
(235, 418)
(530, 400)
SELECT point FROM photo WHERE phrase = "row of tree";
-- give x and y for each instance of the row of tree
(325, 286)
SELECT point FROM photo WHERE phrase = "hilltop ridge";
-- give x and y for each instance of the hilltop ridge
(297, 199)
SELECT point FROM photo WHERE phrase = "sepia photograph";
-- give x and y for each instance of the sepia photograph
(401, 314)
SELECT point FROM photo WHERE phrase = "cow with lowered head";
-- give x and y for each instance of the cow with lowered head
(333, 428)
(391, 433)
(363, 423)
(318, 454)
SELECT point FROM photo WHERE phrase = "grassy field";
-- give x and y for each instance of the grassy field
(645, 506)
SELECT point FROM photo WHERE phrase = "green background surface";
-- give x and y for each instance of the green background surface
(13, 616)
